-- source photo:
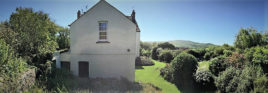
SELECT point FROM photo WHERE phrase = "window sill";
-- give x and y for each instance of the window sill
(102, 42)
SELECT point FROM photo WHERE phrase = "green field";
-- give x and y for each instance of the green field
(151, 74)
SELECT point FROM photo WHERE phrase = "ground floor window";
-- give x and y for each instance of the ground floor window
(83, 69)
(65, 65)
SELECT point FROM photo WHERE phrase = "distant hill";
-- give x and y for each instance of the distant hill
(188, 44)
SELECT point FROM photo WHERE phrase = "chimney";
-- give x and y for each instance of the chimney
(78, 14)
(133, 15)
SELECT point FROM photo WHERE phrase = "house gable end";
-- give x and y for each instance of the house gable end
(106, 3)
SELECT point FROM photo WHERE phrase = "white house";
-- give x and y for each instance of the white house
(104, 43)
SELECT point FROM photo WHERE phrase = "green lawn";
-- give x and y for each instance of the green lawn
(151, 74)
(204, 65)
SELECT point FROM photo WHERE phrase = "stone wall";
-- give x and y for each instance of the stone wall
(24, 81)
(27, 79)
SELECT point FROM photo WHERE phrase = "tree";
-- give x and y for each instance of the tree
(7, 34)
(250, 37)
(63, 38)
(36, 32)
(166, 45)
(146, 45)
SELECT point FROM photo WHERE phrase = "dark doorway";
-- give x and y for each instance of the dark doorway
(83, 69)
(65, 65)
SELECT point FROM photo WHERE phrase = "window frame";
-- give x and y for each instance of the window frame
(101, 31)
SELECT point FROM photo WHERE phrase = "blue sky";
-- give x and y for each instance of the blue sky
(206, 21)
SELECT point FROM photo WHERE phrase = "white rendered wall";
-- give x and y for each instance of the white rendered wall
(105, 59)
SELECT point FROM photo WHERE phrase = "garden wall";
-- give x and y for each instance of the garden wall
(23, 82)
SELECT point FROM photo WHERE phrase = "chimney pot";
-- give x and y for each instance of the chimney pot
(78, 14)
(133, 16)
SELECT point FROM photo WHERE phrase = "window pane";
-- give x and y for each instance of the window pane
(103, 37)
(102, 26)
(102, 33)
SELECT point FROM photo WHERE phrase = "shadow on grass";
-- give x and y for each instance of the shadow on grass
(139, 67)
(100, 85)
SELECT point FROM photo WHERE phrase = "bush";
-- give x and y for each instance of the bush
(183, 67)
(258, 56)
(143, 61)
(165, 56)
(204, 80)
(217, 65)
(198, 53)
(155, 53)
(54, 79)
(145, 52)
(166, 73)
(237, 80)
(227, 53)
(10, 67)
(176, 52)
(223, 81)
(261, 84)
(236, 60)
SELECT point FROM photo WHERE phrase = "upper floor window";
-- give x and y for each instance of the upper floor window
(103, 31)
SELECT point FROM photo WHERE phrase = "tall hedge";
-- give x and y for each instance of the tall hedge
(184, 66)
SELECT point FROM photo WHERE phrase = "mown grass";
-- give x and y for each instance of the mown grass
(151, 74)
(204, 65)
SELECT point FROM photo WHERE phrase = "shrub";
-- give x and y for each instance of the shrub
(217, 65)
(227, 53)
(198, 53)
(183, 66)
(145, 52)
(223, 81)
(249, 53)
(204, 80)
(236, 60)
(261, 84)
(258, 56)
(165, 56)
(10, 67)
(237, 80)
(213, 51)
(176, 52)
(208, 55)
(143, 61)
(54, 79)
(155, 53)
(166, 73)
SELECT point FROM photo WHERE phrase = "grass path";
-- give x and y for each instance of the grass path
(204, 65)
(151, 74)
